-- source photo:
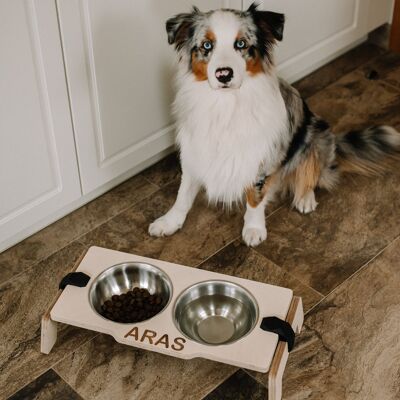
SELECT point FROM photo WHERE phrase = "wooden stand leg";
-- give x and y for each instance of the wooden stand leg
(295, 318)
(48, 335)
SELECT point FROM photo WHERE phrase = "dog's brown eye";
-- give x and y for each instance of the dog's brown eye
(240, 44)
(207, 45)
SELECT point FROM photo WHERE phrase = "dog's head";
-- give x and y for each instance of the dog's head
(226, 46)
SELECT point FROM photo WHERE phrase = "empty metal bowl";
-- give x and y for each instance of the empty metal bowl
(123, 277)
(215, 312)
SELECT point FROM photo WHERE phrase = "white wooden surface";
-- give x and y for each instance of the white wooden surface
(319, 30)
(254, 351)
(379, 13)
(38, 166)
(118, 66)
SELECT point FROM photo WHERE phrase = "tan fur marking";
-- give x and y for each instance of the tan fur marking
(252, 197)
(306, 176)
(210, 35)
(254, 66)
(199, 68)
(255, 196)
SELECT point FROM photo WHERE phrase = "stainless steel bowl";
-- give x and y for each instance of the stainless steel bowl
(215, 312)
(123, 277)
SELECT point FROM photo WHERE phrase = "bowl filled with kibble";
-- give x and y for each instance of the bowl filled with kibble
(130, 292)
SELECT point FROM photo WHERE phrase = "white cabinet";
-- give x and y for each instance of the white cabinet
(317, 31)
(38, 167)
(118, 66)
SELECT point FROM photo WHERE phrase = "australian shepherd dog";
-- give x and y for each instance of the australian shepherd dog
(244, 133)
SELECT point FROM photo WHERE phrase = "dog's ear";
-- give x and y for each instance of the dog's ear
(268, 22)
(179, 28)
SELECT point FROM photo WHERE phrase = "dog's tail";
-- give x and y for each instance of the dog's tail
(367, 152)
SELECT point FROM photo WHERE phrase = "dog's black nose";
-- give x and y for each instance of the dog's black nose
(224, 74)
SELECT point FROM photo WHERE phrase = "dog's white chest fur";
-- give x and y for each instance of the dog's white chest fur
(227, 137)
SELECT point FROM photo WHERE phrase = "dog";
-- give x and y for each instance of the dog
(243, 132)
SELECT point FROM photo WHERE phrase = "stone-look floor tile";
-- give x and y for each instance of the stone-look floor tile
(349, 227)
(239, 260)
(387, 67)
(57, 235)
(354, 102)
(205, 231)
(350, 347)
(23, 300)
(103, 369)
(48, 386)
(165, 171)
(360, 217)
(331, 72)
(240, 386)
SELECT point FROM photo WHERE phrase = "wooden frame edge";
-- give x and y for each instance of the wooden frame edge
(48, 334)
(395, 31)
(295, 317)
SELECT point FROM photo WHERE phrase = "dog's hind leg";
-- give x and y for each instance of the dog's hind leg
(173, 220)
(254, 230)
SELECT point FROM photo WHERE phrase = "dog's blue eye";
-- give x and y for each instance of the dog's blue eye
(207, 46)
(240, 44)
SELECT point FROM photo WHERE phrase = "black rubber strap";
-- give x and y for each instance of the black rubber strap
(79, 279)
(282, 328)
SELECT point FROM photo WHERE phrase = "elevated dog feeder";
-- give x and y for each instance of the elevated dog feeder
(203, 314)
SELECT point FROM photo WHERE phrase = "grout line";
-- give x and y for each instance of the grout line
(221, 383)
(75, 349)
(154, 184)
(67, 383)
(230, 242)
(217, 251)
(388, 84)
(256, 377)
(51, 367)
(355, 273)
(289, 273)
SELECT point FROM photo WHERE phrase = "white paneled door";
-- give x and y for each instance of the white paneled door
(118, 66)
(38, 165)
(318, 30)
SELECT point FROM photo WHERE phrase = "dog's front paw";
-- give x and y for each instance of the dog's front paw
(164, 226)
(254, 236)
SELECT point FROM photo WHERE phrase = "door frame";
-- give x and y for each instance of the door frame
(395, 31)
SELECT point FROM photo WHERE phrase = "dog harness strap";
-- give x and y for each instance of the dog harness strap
(79, 279)
(282, 328)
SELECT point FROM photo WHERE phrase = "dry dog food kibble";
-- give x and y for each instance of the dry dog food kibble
(133, 306)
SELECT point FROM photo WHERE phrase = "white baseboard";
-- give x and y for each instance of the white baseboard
(291, 72)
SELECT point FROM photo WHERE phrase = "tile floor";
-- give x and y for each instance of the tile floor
(343, 260)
